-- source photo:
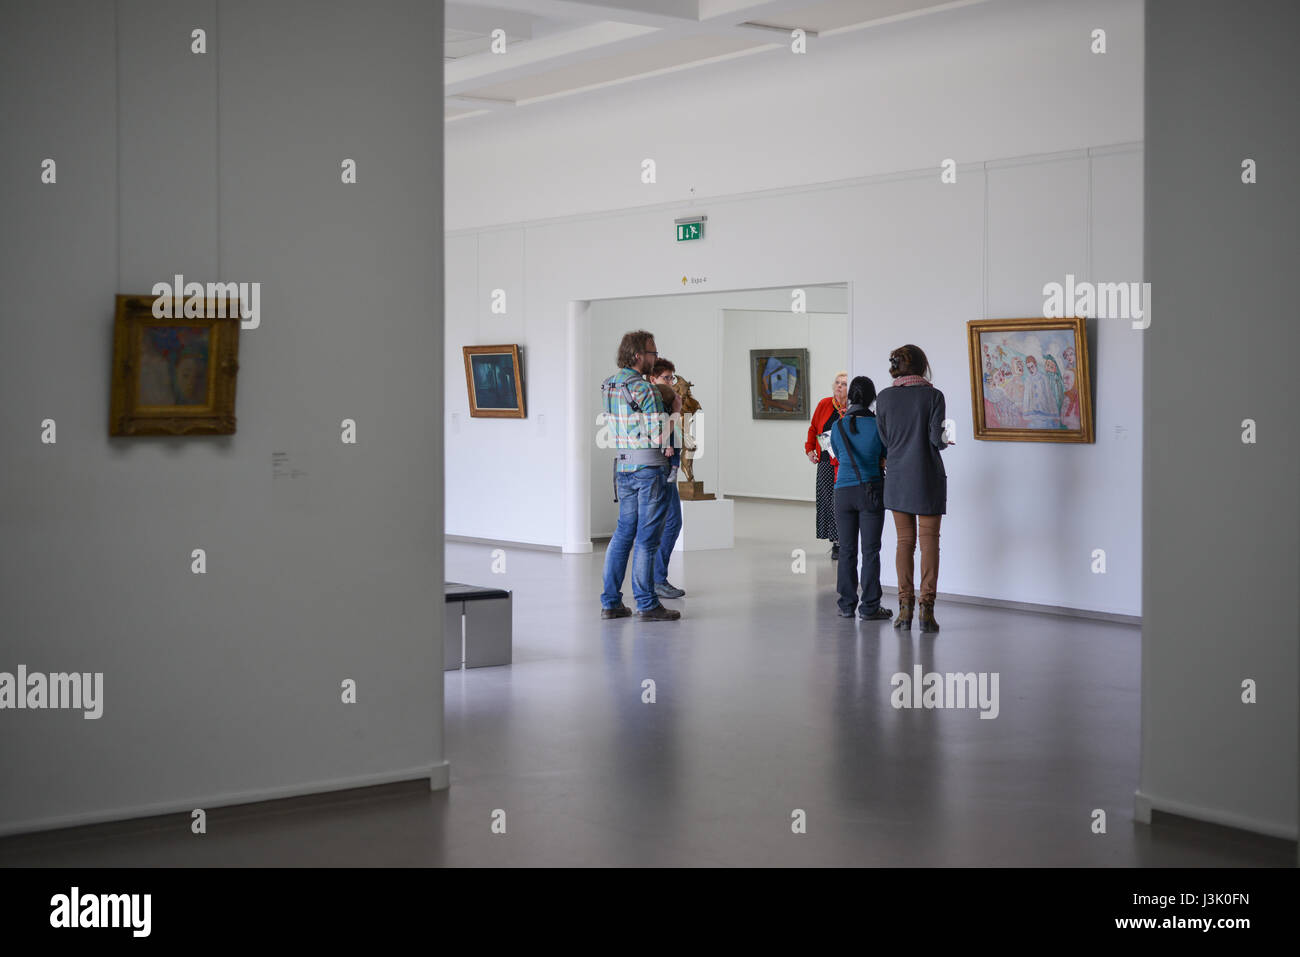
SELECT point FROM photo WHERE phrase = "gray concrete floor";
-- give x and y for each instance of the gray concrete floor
(766, 702)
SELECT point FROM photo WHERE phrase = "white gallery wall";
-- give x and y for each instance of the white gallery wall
(703, 334)
(829, 175)
(225, 686)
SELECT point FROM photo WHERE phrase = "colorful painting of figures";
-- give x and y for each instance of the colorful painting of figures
(1029, 380)
(779, 383)
(174, 365)
(170, 377)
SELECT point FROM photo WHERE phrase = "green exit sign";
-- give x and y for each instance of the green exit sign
(693, 229)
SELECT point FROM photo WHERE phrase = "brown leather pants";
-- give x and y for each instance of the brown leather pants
(905, 524)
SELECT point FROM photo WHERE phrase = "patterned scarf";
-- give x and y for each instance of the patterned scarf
(912, 380)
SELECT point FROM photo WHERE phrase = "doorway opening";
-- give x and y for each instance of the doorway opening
(714, 339)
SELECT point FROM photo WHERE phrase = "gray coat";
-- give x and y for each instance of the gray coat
(910, 421)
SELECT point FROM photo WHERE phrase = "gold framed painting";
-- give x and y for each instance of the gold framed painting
(1030, 380)
(173, 376)
(495, 382)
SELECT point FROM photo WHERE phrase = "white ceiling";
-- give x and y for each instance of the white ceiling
(565, 47)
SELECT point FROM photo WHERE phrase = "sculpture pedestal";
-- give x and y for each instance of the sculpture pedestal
(693, 492)
(707, 524)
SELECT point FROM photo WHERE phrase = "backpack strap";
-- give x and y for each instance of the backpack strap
(853, 459)
(609, 385)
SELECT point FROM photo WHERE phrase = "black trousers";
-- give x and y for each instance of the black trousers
(859, 512)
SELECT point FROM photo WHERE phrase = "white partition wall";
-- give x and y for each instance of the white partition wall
(224, 686)
(1222, 570)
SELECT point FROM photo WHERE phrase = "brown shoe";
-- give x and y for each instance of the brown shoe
(927, 617)
(904, 619)
(622, 611)
(659, 614)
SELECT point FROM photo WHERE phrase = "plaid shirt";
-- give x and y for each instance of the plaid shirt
(630, 429)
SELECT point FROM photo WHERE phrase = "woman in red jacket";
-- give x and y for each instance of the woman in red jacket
(829, 410)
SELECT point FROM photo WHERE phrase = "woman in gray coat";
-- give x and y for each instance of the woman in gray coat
(909, 417)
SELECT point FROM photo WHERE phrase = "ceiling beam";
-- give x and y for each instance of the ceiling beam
(768, 28)
(738, 11)
(584, 12)
(679, 9)
(623, 29)
(476, 19)
(592, 41)
(480, 103)
(906, 15)
(544, 54)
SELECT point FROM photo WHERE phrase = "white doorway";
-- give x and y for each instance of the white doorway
(709, 336)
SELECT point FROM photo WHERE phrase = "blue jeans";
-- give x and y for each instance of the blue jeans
(672, 528)
(642, 503)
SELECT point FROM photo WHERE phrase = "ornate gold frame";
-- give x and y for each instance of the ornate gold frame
(474, 410)
(1085, 433)
(128, 417)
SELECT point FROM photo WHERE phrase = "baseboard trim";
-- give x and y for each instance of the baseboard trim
(535, 546)
(1060, 610)
(770, 499)
(438, 775)
(1063, 611)
(1144, 803)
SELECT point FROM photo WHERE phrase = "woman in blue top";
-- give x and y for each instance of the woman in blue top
(859, 502)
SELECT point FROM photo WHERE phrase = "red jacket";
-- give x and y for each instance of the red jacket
(821, 415)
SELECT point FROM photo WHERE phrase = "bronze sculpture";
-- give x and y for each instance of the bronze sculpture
(687, 487)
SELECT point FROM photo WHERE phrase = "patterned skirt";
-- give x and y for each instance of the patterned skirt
(826, 498)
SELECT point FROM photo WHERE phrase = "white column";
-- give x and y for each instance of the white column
(578, 435)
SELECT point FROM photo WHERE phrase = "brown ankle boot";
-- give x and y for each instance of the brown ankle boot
(904, 619)
(927, 617)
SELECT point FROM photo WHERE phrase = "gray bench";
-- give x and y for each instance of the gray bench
(477, 627)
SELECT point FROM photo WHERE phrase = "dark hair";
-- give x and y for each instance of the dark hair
(661, 366)
(633, 342)
(862, 392)
(908, 360)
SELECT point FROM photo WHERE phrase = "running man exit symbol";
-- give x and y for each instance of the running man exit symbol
(690, 227)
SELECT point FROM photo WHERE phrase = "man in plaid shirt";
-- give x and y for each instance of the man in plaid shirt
(634, 416)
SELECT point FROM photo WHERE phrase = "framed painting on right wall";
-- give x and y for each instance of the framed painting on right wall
(1030, 380)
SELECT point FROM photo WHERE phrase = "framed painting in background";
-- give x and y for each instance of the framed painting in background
(173, 376)
(495, 382)
(778, 381)
(1030, 380)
